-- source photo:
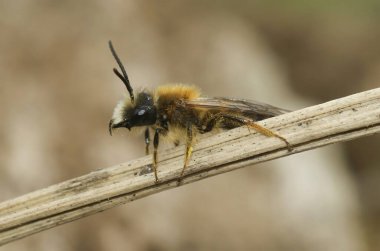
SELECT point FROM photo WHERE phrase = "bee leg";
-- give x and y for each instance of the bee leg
(176, 142)
(155, 145)
(147, 141)
(208, 124)
(270, 133)
(260, 129)
(189, 148)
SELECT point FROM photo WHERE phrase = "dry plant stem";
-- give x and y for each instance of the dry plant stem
(335, 121)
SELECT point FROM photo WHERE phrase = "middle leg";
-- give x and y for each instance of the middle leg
(189, 147)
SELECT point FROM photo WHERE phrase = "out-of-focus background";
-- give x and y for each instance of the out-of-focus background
(57, 93)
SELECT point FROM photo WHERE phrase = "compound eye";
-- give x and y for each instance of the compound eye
(141, 112)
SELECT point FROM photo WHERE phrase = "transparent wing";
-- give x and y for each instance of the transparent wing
(247, 108)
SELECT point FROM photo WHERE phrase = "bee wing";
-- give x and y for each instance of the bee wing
(247, 108)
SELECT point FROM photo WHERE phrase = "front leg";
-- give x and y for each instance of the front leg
(147, 141)
(155, 145)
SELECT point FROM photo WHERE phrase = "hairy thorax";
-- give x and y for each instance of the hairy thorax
(171, 108)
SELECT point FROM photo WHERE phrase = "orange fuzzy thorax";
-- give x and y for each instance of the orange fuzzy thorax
(177, 92)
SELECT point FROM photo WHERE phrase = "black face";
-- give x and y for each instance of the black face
(143, 113)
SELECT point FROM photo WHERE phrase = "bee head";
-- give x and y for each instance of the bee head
(131, 112)
(140, 113)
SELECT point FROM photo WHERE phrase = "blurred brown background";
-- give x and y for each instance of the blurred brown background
(57, 92)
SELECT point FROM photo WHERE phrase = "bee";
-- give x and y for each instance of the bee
(180, 111)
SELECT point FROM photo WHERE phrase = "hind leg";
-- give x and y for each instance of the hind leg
(258, 128)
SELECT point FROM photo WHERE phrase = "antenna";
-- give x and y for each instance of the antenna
(123, 77)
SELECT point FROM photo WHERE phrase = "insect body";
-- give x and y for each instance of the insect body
(177, 111)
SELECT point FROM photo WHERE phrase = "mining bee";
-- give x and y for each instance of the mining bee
(179, 111)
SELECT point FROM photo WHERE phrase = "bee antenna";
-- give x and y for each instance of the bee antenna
(123, 77)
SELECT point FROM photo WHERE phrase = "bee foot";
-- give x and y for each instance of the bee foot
(179, 181)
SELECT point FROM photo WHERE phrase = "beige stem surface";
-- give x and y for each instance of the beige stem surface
(335, 121)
